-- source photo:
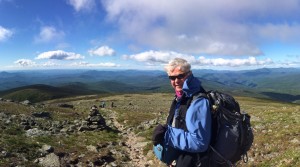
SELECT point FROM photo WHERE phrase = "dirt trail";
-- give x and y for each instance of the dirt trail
(134, 144)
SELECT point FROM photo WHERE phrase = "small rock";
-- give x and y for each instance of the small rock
(50, 160)
(92, 148)
(47, 148)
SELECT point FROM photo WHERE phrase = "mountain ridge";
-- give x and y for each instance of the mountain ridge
(278, 84)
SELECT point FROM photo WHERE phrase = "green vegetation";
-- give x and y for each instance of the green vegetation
(35, 93)
(14, 108)
(40, 92)
(277, 84)
(276, 127)
(134, 109)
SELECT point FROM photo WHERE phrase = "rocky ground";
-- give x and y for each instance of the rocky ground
(127, 151)
(70, 133)
(134, 145)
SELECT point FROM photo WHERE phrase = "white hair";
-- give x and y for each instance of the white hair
(180, 63)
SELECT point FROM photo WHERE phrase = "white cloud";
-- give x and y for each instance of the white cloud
(49, 34)
(153, 57)
(82, 5)
(25, 63)
(251, 61)
(231, 27)
(59, 55)
(86, 64)
(50, 64)
(5, 33)
(102, 51)
(158, 57)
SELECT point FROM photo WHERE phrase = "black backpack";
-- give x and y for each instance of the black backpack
(232, 134)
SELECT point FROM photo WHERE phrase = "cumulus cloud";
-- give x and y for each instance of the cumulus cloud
(82, 5)
(158, 57)
(25, 63)
(50, 64)
(219, 27)
(251, 61)
(86, 64)
(49, 34)
(102, 51)
(5, 33)
(154, 57)
(59, 55)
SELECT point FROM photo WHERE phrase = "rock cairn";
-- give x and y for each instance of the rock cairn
(40, 123)
(94, 121)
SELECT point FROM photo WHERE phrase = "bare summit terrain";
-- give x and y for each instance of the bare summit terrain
(71, 132)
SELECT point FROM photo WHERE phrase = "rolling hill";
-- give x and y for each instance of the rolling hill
(278, 84)
(34, 93)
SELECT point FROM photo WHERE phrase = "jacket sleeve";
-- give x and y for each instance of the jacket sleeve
(198, 134)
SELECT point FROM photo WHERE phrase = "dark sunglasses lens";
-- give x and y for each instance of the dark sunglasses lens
(180, 76)
(172, 77)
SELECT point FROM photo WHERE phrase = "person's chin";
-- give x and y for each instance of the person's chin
(178, 89)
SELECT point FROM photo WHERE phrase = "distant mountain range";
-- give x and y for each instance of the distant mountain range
(277, 84)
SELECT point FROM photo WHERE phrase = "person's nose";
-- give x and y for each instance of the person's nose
(177, 80)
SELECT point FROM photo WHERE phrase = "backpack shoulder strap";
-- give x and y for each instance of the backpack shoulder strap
(198, 95)
(201, 93)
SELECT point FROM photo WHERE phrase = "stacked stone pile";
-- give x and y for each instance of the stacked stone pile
(40, 123)
(94, 121)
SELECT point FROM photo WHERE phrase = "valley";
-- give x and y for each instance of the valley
(277, 84)
(48, 118)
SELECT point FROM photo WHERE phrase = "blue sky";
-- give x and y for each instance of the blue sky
(143, 34)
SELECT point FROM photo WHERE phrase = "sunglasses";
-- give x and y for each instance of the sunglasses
(180, 76)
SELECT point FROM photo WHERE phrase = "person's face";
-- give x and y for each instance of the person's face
(177, 78)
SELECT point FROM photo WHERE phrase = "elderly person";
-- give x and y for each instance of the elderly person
(187, 132)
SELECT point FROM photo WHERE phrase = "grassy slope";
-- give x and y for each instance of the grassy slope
(14, 141)
(276, 128)
(40, 92)
(276, 125)
(34, 93)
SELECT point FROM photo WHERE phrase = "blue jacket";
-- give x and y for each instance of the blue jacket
(198, 122)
